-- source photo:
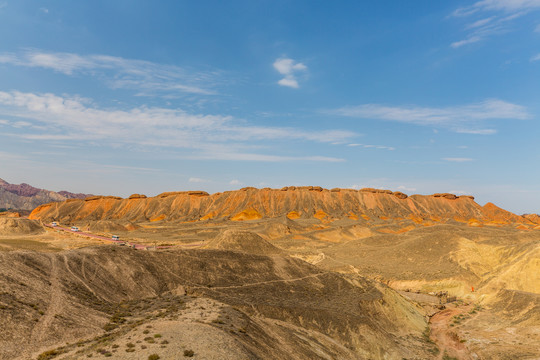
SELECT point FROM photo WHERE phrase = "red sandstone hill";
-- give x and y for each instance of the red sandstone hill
(294, 202)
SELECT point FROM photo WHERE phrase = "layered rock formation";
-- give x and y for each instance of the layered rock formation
(294, 202)
(27, 197)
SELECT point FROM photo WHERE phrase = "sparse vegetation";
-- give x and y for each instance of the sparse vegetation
(448, 357)
(154, 357)
(189, 353)
(50, 354)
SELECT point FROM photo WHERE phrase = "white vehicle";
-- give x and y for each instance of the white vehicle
(54, 223)
(115, 237)
(74, 228)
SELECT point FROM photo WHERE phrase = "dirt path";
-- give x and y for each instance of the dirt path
(42, 329)
(445, 337)
(261, 282)
(84, 283)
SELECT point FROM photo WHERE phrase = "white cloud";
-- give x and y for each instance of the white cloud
(404, 188)
(235, 182)
(537, 28)
(476, 131)
(237, 156)
(503, 13)
(198, 180)
(366, 146)
(507, 5)
(468, 41)
(536, 58)
(213, 136)
(462, 118)
(289, 82)
(3, 4)
(44, 10)
(289, 68)
(479, 23)
(458, 159)
(146, 77)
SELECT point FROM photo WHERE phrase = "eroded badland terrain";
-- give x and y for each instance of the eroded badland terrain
(293, 273)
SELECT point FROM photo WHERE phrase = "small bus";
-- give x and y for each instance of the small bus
(115, 237)
(74, 228)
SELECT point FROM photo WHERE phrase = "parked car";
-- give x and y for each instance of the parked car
(115, 237)
(54, 223)
(74, 228)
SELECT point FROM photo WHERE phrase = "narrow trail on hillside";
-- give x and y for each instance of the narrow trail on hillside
(446, 338)
(56, 300)
(84, 283)
(261, 282)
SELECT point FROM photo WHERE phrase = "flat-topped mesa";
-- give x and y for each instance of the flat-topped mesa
(446, 196)
(174, 193)
(137, 196)
(308, 188)
(295, 202)
(102, 197)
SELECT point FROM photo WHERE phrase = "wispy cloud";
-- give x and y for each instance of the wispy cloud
(235, 182)
(213, 136)
(462, 118)
(198, 180)
(146, 77)
(536, 57)
(470, 40)
(367, 146)
(404, 188)
(502, 13)
(457, 159)
(289, 68)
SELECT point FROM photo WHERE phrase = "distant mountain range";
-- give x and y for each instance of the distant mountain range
(27, 197)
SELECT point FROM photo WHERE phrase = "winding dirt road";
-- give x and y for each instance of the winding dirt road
(119, 242)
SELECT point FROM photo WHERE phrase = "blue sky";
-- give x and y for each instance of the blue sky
(121, 97)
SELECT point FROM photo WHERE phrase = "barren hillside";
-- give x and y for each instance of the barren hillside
(268, 307)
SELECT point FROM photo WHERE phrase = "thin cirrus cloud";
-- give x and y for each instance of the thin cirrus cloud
(289, 69)
(457, 159)
(503, 13)
(213, 136)
(146, 77)
(462, 119)
(198, 180)
(367, 146)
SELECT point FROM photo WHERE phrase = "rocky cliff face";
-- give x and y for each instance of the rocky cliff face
(27, 197)
(293, 202)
